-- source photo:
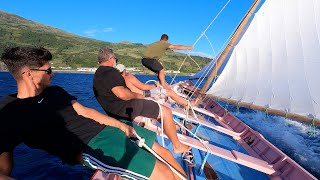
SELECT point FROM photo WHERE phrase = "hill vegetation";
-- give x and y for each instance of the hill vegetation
(74, 51)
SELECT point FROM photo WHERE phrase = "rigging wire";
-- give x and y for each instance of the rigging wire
(210, 66)
(202, 34)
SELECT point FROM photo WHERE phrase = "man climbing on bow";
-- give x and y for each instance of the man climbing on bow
(154, 53)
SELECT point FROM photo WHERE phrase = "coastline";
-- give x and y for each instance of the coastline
(92, 72)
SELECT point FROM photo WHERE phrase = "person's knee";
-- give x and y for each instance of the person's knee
(169, 92)
(161, 171)
(166, 111)
(162, 151)
(166, 153)
(161, 71)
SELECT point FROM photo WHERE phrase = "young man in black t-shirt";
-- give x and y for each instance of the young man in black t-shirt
(118, 101)
(50, 119)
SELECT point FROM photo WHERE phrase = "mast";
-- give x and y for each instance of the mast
(276, 112)
(227, 49)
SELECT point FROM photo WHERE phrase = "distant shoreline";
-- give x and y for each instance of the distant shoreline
(64, 71)
(89, 72)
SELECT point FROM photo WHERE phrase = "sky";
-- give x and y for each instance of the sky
(139, 21)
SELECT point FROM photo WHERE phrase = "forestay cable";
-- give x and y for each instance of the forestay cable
(202, 34)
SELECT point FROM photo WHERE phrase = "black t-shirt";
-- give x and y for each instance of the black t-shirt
(46, 121)
(104, 80)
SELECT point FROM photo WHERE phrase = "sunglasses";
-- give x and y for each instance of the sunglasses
(116, 59)
(48, 71)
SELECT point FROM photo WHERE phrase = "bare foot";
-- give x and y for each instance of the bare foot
(181, 148)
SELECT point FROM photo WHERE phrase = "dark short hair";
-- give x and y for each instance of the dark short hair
(164, 37)
(105, 54)
(18, 57)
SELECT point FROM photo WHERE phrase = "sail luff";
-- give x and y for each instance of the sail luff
(230, 45)
(276, 112)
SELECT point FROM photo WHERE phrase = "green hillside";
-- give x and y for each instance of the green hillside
(74, 51)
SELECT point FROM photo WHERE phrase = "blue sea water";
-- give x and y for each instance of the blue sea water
(299, 141)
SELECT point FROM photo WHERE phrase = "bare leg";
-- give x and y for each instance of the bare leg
(176, 97)
(3, 177)
(170, 130)
(6, 164)
(161, 77)
(161, 171)
(167, 156)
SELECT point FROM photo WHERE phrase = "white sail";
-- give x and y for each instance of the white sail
(276, 63)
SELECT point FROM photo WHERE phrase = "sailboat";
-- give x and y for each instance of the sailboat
(272, 62)
(272, 65)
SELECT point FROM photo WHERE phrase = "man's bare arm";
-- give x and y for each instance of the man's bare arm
(6, 163)
(138, 84)
(125, 94)
(101, 118)
(180, 47)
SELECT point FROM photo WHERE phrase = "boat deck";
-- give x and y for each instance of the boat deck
(224, 169)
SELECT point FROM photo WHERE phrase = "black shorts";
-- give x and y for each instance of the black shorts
(137, 107)
(152, 64)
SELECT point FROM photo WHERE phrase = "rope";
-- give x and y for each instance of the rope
(141, 143)
(161, 116)
(182, 126)
(179, 68)
(194, 135)
(201, 140)
(194, 61)
(188, 155)
(202, 77)
(207, 70)
(209, 67)
(204, 143)
(150, 81)
(204, 74)
(202, 34)
(187, 109)
(202, 165)
(162, 134)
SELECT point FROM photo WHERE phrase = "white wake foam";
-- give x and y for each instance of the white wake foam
(299, 141)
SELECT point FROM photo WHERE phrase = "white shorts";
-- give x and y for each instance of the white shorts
(156, 93)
